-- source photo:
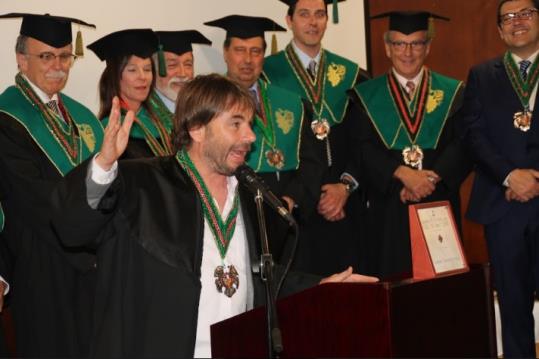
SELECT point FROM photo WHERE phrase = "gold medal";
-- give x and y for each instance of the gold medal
(522, 120)
(226, 280)
(320, 128)
(413, 156)
(275, 158)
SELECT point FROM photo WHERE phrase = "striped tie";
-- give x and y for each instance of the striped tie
(53, 105)
(524, 64)
(311, 69)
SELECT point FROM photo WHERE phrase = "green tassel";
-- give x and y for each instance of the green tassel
(274, 44)
(79, 52)
(162, 65)
(335, 12)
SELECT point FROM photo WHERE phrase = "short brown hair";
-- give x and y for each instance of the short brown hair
(203, 99)
(501, 2)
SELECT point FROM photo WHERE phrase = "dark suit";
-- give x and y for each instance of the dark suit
(510, 227)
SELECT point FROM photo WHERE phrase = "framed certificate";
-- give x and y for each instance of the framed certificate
(435, 242)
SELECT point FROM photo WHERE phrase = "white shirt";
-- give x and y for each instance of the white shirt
(403, 80)
(171, 105)
(213, 306)
(306, 59)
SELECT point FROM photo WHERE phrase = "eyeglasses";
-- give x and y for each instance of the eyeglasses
(47, 58)
(525, 14)
(414, 45)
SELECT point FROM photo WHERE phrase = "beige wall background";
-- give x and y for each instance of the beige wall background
(346, 38)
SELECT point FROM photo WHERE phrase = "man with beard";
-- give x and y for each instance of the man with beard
(44, 134)
(286, 153)
(178, 67)
(176, 246)
(500, 118)
(332, 236)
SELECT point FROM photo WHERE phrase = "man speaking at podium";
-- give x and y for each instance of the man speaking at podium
(176, 251)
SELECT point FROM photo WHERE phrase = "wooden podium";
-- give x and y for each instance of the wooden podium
(449, 316)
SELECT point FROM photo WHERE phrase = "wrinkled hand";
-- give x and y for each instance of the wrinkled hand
(420, 183)
(523, 185)
(290, 203)
(116, 136)
(349, 277)
(340, 215)
(332, 201)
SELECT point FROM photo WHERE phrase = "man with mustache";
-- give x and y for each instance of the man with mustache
(285, 154)
(164, 279)
(500, 119)
(44, 134)
(179, 65)
(331, 237)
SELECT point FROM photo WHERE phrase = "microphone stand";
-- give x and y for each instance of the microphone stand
(275, 342)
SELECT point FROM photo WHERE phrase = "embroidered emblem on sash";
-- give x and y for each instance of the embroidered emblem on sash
(434, 100)
(88, 136)
(285, 120)
(335, 73)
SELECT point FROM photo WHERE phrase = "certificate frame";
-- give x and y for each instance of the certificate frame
(435, 241)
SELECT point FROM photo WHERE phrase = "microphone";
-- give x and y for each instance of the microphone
(254, 183)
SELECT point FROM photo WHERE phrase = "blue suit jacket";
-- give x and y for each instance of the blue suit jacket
(495, 144)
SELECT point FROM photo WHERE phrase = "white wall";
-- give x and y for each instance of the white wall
(346, 38)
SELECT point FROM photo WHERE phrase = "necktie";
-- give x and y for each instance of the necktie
(53, 105)
(410, 87)
(524, 64)
(254, 96)
(311, 69)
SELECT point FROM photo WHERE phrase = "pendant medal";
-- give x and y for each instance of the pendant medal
(275, 158)
(320, 128)
(226, 280)
(522, 120)
(413, 156)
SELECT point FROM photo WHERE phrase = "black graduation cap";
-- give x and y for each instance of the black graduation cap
(328, 2)
(180, 42)
(55, 31)
(409, 22)
(140, 42)
(245, 27)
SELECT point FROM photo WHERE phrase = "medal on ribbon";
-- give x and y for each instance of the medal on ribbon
(226, 279)
(226, 276)
(275, 158)
(523, 88)
(321, 128)
(413, 156)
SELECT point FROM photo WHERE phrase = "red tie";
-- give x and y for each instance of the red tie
(410, 87)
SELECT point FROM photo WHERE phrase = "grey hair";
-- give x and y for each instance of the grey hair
(20, 45)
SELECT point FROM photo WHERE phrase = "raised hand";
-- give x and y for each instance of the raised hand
(116, 136)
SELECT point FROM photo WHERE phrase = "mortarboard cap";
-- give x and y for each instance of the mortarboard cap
(54, 31)
(409, 22)
(139, 42)
(180, 42)
(327, 2)
(245, 27)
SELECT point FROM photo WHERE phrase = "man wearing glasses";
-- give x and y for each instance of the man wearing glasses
(499, 119)
(44, 134)
(407, 144)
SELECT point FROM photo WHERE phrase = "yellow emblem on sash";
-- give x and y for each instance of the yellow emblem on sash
(87, 134)
(336, 73)
(434, 100)
(285, 120)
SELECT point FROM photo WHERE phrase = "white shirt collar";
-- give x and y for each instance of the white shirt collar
(403, 80)
(42, 95)
(532, 58)
(304, 58)
(171, 105)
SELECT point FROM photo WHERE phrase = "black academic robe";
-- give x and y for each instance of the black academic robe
(51, 288)
(386, 252)
(302, 185)
(137, 148)
(327, 247)
(150, 229)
